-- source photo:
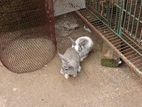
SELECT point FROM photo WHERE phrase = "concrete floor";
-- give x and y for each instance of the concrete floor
(95, 86)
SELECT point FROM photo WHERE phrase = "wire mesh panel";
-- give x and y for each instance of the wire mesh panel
(25, 40)
(124, 17)
(108, 11)
(132, 16)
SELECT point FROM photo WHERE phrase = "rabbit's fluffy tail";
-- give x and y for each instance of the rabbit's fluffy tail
(88, 39)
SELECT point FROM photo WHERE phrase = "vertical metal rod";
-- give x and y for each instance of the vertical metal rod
(94, 4)
(51, 21)
(111, 16)
(129, 16)
(125, 15)
(99, 6)
(138, 22)
(133, 22)
(116, 27)
(110, 12)
(121, 18)
(102, 6)
(87, 2)
(140, 36)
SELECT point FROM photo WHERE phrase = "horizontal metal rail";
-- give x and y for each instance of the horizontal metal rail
(115, 32)
(126, 56)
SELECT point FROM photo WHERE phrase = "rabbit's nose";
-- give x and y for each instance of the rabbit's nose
(66, 68)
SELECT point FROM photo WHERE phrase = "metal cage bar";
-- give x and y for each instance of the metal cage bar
(124, 17)
(51, 20)
(119, 23)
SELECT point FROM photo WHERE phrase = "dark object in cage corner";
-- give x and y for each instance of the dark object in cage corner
(111, 62)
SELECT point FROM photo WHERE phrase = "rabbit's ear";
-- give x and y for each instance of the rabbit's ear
(73, 42)
(62, 57)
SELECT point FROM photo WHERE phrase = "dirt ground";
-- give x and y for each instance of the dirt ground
(95, 85)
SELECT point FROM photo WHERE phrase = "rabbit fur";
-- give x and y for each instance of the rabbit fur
(83, 45)
(70, 63)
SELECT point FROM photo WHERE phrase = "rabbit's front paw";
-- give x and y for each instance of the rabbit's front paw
(61, 71)
(79, 68)
(66, 76)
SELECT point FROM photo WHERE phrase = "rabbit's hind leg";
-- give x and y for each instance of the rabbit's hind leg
(79, 68)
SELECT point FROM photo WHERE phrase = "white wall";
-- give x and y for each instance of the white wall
(66, 6)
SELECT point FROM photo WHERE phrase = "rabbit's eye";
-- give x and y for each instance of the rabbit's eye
(70, 67)
(65, 68)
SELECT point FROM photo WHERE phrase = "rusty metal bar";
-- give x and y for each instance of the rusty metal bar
(122, 46)
(96, 23)
(109, 36)
(125, 15)
(140, 36)
(137, 57)
(112, 13)
(116, 42)
(107, 33)
(138, 22)
(132, 55)
(139, 64)
(132, 28)
(129, 16)
(129, 53)
(51, 21)
(125, 50)
(116, 21)
(136, 60)
(112, 39)
(102, 27)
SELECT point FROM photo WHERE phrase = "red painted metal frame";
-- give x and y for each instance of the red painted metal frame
(51, 20)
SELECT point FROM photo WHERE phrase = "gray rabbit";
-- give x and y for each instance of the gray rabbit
(83, 45)
(70, 63)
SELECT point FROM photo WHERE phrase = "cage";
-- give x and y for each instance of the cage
(122, 16)
(27, 34)
(119, 22)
